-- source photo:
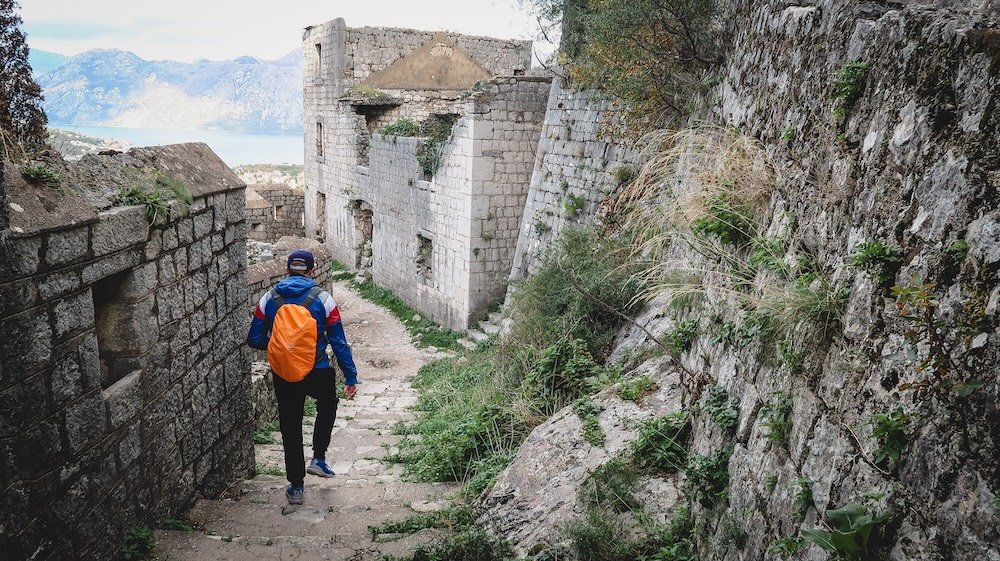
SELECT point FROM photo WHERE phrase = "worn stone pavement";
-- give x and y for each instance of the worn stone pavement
(254, 519)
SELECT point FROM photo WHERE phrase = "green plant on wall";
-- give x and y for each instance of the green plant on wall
(889, 430)
(401, 127)
(848, 85)
(879, 260)
(721, 408)
(39, 174)
(574, 205)
(848, 531)
(775, 418)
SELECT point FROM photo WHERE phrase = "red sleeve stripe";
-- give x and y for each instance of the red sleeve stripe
(334, 316)
(258, 313)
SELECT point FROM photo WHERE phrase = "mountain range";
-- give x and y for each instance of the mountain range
(119, 89)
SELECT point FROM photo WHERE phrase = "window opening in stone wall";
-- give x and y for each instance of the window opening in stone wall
(319, 61)
(319, 140)
(118, 326)
(425, 256)
(279, 213)
(363, 230)
(369, 118)
(321, 217)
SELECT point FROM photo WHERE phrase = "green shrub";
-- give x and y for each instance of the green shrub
(402, 127)
(635, 388)
(662, 443)
(470, 544)
(574, 205)
(155, 202)
(958, 250)
(721, 408)
(588, 410)
(803, 495)
(786, 547)
(848, 85)
(561, 374)
(850, 531)
(775, 417)
(890, 430)
(877, 259)
(728, 222)
(681, 337)
(708, 477)
(39, 174)
(138, 544)
(788, 135)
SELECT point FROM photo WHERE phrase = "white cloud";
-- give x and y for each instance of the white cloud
(223, 29)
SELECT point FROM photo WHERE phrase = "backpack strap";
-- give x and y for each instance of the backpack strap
(278, 299)
(314, 293)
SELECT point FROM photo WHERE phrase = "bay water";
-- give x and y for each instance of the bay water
(234, 147)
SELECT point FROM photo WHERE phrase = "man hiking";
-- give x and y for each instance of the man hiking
(295, 322)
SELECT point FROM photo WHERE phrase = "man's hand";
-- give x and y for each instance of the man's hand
(350, 391)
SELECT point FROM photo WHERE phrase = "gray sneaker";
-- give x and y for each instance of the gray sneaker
(294, 494)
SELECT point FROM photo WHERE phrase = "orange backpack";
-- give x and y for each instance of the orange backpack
(292, 350)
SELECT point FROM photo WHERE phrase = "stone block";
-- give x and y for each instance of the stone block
(113, 264)
(67, 246)
(67, 380)
(170, 241)
(203, 224)
(21, 257)
(57, 284)
(72, 313)
(123, 399)
(23, 405)
(118, 229)
(185, 231)
(85, 421)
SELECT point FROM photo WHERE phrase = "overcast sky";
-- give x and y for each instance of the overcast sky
(187, 30)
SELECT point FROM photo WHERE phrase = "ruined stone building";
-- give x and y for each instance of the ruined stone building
(124, 380)
(274, 210)
(434, 217)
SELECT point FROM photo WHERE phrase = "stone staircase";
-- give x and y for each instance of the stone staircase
(253, 519)
(487, 328)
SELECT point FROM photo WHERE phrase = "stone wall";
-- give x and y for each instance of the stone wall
(125, 383)
(264, 275)
(577, 165)
(912, 165)
(276, 211)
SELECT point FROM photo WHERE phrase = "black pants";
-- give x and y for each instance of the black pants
(320, 384)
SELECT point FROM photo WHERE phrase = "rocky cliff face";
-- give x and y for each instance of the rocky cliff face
(894, 200)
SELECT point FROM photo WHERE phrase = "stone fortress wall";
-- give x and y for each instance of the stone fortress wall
(577, 166)
(274, 210)
(443, 241)
(125, 383)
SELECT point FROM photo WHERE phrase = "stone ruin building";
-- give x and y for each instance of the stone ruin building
(124, 386)
(274, 210)
(435, 221)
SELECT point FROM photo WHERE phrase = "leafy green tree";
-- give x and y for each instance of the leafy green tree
(649, 55)
(22, 119)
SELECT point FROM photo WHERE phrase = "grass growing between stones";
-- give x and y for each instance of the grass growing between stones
(479, 408)
(459, 518)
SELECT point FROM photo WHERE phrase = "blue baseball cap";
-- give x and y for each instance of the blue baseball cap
(301, 260)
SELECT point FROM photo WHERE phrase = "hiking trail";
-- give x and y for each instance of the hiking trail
(253, 519)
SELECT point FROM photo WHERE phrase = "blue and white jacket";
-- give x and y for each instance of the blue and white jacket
(330, 330)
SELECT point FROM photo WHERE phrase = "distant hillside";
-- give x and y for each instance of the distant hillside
(117, 88)
(43, 62)
(73, 145)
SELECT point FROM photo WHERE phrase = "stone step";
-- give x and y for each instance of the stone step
(489, 328)
(197, 545)
(496, 318)
(477, 335)
(471, 345)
